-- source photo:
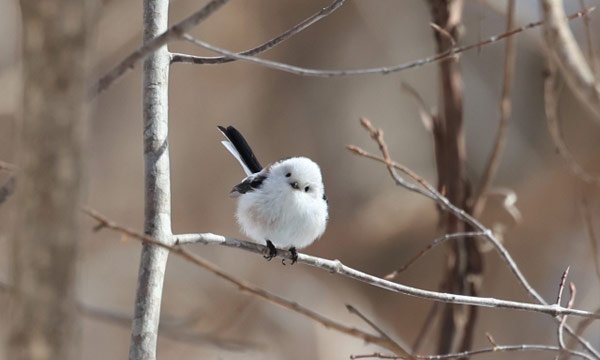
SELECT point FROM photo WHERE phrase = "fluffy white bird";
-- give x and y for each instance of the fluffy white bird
(284, 204)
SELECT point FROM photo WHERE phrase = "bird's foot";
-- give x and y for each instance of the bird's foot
(272, 251)
(294, 256)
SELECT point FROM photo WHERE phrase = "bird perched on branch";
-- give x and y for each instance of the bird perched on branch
(284, 204)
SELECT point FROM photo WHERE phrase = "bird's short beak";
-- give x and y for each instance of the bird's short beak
(295, 185)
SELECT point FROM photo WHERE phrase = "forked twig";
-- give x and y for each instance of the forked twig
(445, 204)
(246, 286)
(267, 45)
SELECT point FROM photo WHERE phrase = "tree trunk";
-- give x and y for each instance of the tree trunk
(44, 321)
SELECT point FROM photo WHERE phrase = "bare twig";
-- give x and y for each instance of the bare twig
(561, 285)
(551, 105)
(192, 338)
(167, 328)
(427, 325)
(426, 114)
(588, 37)
(444, 33)
(561, 326)
(5, 166)
(376, 70)
(267, 45)
(491, 339)
(505, 109)
(333, 266)
(500, 348)
(248, 287)
(564, 51)
(581, 327)
(157, 42)
(589, 225)
(434, 243)
(383, 334)
(445, 204)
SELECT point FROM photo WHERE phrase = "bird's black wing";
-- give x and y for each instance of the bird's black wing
(250, 183)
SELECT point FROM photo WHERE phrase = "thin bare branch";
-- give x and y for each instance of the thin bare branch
(5, 166)
(491, 339)
(445, 204)
(427, 325)
(564, 51)
(589, 42)
(425, 113)
(581, 328)
(246, 286)
(385, 70)
(401, 349)
(267, 45)
(150, 46)
(167, 329)
(561, 326)
(333, 266)
(592, 236)
(434, 243)
(561, 286)
(551, 105)
(465, 354)
(444, 33)
(505, 110)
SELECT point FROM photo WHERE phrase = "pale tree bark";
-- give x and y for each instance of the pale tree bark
(157, 224)
(56, 39)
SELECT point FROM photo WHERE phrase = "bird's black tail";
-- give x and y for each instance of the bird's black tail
(246, 155)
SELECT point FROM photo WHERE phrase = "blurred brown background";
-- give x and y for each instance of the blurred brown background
(374, 225)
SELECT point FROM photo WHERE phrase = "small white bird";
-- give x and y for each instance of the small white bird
(283, 204)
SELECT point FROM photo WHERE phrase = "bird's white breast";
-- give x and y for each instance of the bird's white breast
(286, 218)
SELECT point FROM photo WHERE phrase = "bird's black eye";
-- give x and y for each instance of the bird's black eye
(288, 174)
(306, 189)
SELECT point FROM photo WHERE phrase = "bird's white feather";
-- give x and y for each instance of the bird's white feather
(229, 146)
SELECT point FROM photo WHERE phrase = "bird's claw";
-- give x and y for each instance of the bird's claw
(294, 256)
(272, 251)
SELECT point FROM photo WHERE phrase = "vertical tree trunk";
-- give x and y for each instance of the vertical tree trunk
(157, 187)
(464, 264)
(44, 322)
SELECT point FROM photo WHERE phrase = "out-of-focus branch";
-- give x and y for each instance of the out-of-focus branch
(445, 204)
(561, 326)
(551, 105)
(401, 348)
(440, 240)
(505, 109)
(593, 61)
(150, 46)
(564, 51)
(384, 70)
(464, 262)
(333, 266)
(267, 45)
(170, 329)
(250, 288)
(44, 245)
(5, 166)
(494, 349)
(591, 232)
